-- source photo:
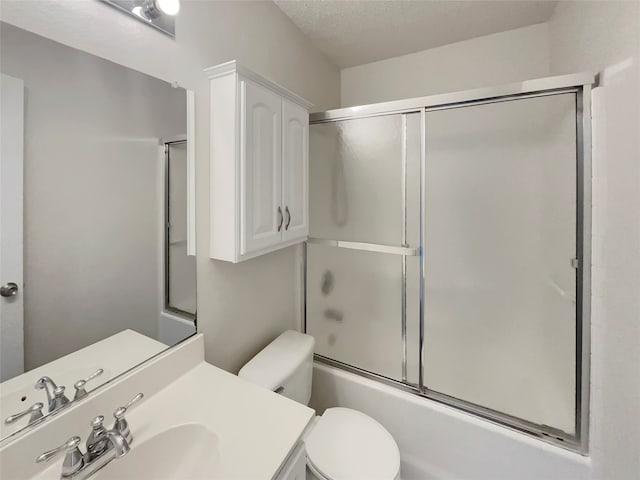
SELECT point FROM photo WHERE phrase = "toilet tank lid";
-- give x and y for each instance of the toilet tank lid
(279, 360)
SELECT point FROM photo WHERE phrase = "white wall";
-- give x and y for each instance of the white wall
(91, 175)
(604, 37)
(240, 307)
(505, 57)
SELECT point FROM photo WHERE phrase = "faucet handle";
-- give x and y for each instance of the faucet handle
(73, 461)
(119, 413)
(59, 398)
(120, 425)
(80, 384)
(35, 410)
(97, 422)
(130, 403)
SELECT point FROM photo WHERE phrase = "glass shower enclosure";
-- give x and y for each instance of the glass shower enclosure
(449, 250)
(179, 266)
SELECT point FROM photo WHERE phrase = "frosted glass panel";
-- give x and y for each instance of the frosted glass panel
(365, 187)
(500, 233)
(354, 307)
(182, 268)
(355, 180)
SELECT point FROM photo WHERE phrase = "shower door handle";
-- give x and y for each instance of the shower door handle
(281, 218)
(286, 210)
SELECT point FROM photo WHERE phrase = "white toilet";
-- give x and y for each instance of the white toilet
(343, 444)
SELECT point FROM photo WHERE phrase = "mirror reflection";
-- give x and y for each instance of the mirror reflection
(95, 269)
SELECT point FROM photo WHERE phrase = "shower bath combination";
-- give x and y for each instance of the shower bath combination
(449, 250)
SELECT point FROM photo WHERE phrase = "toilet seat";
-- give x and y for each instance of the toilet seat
(348, 445)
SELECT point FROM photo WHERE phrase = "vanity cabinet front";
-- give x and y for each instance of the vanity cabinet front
(259, 165)
(295, 467)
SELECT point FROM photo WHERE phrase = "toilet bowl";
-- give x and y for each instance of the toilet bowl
(342, 443)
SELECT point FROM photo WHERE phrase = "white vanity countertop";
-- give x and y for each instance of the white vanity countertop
(254, 429)
(115, 355)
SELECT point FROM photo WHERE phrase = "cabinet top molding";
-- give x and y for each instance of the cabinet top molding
(234, 67)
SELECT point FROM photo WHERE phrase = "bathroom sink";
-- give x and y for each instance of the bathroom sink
(176, 433)
(183, 452)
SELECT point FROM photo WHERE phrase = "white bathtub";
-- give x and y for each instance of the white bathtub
(439, 442)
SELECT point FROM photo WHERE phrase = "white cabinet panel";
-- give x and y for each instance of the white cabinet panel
(296, 466)
(295, 171)
(261, 167)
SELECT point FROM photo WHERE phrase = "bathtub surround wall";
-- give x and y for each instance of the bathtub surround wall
(604, 37)
(91, 175)
(259, 36)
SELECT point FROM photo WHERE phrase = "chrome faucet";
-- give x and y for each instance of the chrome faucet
(34, 410)
(102, 446)
(55, 394)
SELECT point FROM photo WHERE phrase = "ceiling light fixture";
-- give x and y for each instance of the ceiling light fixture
(138, 11)
(160, 14)
(155, 8)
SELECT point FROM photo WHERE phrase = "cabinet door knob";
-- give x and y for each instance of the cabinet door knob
(281, 218)
(288, 217)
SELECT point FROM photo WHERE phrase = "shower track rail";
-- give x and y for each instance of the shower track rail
(581, 85)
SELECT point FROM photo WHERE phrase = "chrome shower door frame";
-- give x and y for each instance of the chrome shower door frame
(166, 302)
(579, 84)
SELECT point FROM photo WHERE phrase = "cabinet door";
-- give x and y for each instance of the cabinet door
(295, 171)
(260, 168)
(295, 467)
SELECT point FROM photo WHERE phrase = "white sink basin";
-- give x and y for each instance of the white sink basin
(183, 452)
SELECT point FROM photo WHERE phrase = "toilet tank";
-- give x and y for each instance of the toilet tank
(284, 366)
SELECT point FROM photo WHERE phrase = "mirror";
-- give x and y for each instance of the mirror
(96, 240)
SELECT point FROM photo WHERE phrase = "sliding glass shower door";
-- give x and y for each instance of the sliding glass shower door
(500, 249)
(445, 254)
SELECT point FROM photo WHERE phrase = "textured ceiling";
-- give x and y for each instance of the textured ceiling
(354, 32)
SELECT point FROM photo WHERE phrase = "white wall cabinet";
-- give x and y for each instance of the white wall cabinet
(259, 165)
